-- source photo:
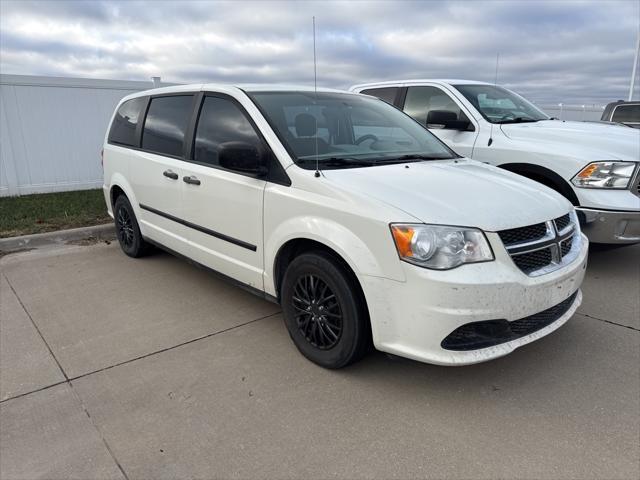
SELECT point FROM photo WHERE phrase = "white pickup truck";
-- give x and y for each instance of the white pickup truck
(595, 166)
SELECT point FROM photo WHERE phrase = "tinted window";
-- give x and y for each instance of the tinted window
(221, 122)
(626, 113)
(421, 100)
(125, 122)
(387, 94)
(166, 123)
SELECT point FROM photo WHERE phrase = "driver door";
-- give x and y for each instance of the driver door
(224, 207)
(420, 100)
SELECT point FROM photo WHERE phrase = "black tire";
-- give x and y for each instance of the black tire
(324, 310)
(127, 229)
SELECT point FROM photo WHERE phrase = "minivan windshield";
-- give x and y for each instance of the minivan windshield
(342, 130)
(499, 105)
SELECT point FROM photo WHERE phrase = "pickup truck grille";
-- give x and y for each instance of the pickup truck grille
(543, 247)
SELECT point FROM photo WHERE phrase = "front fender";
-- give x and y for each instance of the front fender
(358, 254)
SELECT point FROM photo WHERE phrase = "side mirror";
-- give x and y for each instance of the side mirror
(447, 120)
(242, 157)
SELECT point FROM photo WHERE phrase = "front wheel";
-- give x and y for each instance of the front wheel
(324, 310)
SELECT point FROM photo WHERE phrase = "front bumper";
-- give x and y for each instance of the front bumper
(605, 226)
(412, 318)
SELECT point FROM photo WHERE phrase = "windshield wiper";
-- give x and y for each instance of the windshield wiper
(517, 120)
(417, 157)
(338, 162)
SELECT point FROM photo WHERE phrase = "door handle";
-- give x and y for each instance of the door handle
(170, 174)
(192, 180)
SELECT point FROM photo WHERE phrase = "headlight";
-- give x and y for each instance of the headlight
(438, 247)
(605, 175)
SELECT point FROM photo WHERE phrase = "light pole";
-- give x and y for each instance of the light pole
(635, 67)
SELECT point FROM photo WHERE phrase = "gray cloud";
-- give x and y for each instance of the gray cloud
(550, 51)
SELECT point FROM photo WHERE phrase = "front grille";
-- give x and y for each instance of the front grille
(562, 222)
(565, 247)
(476, 335)
(532, 261)
(523, 234)
(535, 249)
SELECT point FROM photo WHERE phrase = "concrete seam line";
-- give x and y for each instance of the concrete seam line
(609, 321)
(64, 374)
(46, 387)
(131, 360)
(97, 429)
(193, 340)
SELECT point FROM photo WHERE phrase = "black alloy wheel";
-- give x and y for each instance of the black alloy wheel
(124, 227)
(324, 310)
(318, 314)
(127, 229)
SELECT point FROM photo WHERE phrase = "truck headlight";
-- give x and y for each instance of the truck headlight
(616, 175)
(439, 247)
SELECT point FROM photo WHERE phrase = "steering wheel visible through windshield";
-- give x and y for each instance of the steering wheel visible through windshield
(499, 105)
(346, 130)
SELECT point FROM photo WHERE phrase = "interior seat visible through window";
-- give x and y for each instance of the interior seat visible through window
(307, 135)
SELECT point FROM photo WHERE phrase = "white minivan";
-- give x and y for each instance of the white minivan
(364, 226)
(594, 165)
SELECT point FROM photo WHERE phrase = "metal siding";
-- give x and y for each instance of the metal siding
(52, 131)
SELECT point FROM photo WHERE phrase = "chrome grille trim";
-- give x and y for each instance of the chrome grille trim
(564, 245)
(634, 184)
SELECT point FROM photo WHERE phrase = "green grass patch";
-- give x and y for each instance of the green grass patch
(51, 211)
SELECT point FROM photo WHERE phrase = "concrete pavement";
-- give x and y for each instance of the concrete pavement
(119, 368)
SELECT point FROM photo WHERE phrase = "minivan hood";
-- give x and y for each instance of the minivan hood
(589, 140)
(462, 192)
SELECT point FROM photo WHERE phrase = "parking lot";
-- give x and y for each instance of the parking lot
(153, 368)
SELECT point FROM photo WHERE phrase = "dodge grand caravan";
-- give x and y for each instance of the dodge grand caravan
(594, 165)
(362, 224)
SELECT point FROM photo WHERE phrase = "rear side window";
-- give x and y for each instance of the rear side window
(388, 94)
(125, 122)
(166, 124)
(626, 114)
(221, 123)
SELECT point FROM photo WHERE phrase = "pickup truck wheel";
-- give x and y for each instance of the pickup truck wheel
(127, 229)
(324, 311)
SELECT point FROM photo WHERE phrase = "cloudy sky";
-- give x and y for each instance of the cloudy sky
(551, 51)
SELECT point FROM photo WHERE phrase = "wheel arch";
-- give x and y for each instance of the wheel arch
(297, 246)
(545, 176)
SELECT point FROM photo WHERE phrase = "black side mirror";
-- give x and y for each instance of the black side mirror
(243, 157)
(447, 120)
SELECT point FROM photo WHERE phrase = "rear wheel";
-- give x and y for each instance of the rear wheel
(324, 310)
(127, 229)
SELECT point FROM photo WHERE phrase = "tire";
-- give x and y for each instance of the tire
(324, 310)
(127, 229)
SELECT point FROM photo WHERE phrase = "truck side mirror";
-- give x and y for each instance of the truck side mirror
(446, 120)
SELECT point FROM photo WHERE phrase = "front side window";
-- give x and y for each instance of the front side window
(626, 114)
(422, 100)
(499, 105)
(221, 123)
(166, 124)
(346, 130)
(125, 122)
(388, 94)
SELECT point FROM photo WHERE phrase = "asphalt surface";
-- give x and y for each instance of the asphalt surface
(119, 368)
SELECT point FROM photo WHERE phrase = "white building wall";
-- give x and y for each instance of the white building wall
(52, 131)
